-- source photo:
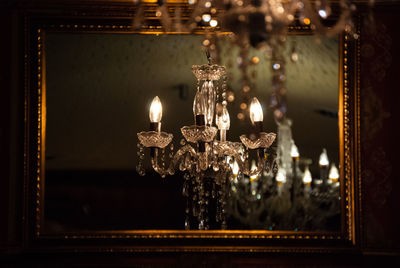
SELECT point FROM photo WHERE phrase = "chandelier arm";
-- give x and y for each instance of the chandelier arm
(154, 164)
(260, 166)
(179, 155)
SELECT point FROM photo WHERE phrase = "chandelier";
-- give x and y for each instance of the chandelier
(206, 158)
(262, 24)
(220, 179)
(287, 198)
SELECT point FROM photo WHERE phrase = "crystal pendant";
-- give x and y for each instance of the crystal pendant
(187, 223)
(200, 103)
(208, 87)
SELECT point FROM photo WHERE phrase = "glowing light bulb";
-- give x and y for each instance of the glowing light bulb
(333, 173)
(253, 168)
(235, 168)
(323, 13)
(294, 152)
(323, 159)
(256, 112)
(307, 178)
(206, 17)
(155, 113)
(213, 23)
(281, 176)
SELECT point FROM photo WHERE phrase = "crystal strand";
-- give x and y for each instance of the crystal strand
(218, 212)
(163, 163)
(139, 168)
(187, 210)
(201, 203)
(223, 206)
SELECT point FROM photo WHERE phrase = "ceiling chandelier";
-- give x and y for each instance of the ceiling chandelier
(207, 161)
(262, 24)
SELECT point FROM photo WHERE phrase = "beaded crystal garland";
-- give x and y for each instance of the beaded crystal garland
(209, 162)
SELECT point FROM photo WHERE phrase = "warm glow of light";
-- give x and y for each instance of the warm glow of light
(334, 173)
(322, 13)
(206, 17)
(307, 178)
(213, 23)
(253, 167)
(294, 152)
(222, 119)
(307, 21)
(155, 113)
(256, 112)
(255, 60)
(235, 168)
(323, 158)
(281, 176)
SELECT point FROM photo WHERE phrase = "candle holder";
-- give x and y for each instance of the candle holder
(154, 139)
(264, 140)
(196, 134)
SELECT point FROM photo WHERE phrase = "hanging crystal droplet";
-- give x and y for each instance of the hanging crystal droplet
(200, 103)
(211, 98)
(187, 223)
(185, 189)
(224, 225)
(201, 224)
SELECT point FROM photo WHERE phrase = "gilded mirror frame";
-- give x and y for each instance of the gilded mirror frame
(117, 19)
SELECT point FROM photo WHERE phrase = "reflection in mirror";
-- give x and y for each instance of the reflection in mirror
(99, 88)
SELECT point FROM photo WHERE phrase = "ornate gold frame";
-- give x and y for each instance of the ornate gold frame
(36, 27)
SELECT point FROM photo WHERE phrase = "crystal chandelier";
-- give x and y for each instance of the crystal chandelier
(262, 24)
(287, 198)
(206, 160)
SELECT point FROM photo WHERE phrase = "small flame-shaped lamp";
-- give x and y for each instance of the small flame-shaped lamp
(256, 115)
(333, 174)
(294, 151)
(323, 164)
(155, 114)
(307, 179)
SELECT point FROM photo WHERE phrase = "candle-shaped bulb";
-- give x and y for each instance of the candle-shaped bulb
(307, 178)
(256, 112)
(155, 113)
(333, 173)
(253, 168)
(235, 168)
(281, 176)
(222, 119)
(323, 159)
(294, 151)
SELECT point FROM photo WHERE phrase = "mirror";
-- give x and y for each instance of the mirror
(98, 91)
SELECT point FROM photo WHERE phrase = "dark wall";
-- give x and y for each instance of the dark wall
(380, 233)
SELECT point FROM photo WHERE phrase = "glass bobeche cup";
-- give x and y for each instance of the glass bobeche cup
(154, 139)
(263, 141)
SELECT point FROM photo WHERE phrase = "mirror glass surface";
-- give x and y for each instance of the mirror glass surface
(98, 92)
